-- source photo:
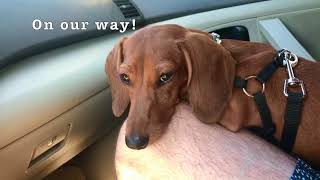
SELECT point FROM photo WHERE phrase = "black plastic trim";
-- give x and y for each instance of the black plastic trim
(234, 32)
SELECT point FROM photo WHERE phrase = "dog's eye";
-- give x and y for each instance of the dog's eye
(164, 78)
(125, 78)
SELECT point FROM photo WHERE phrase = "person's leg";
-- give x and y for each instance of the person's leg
(304, 171)
(190, 149)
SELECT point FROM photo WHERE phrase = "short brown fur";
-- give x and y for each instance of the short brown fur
(203, 75)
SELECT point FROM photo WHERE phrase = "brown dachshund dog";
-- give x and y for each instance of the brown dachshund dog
(159, 66)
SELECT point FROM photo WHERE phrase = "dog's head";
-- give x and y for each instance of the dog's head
(156, 67)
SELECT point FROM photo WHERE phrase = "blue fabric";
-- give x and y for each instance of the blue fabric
(305, 172)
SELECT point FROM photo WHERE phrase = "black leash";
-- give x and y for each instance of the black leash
(294, 105)
(284, 58)
(291, 120)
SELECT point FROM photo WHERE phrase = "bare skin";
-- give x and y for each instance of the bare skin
(190, 149)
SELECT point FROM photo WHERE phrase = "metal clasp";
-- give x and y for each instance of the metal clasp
(292, 58)
(292, 81)
(286, 85)
(286, 54)
(216, 37)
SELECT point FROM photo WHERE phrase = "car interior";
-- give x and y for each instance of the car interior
(56, 120)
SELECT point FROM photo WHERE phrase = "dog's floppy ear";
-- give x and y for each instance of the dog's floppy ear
(211, 71)
(120, 97)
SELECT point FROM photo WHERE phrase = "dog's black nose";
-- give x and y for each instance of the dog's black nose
(137, 142)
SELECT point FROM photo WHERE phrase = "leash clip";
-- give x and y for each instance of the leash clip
(292, 81)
